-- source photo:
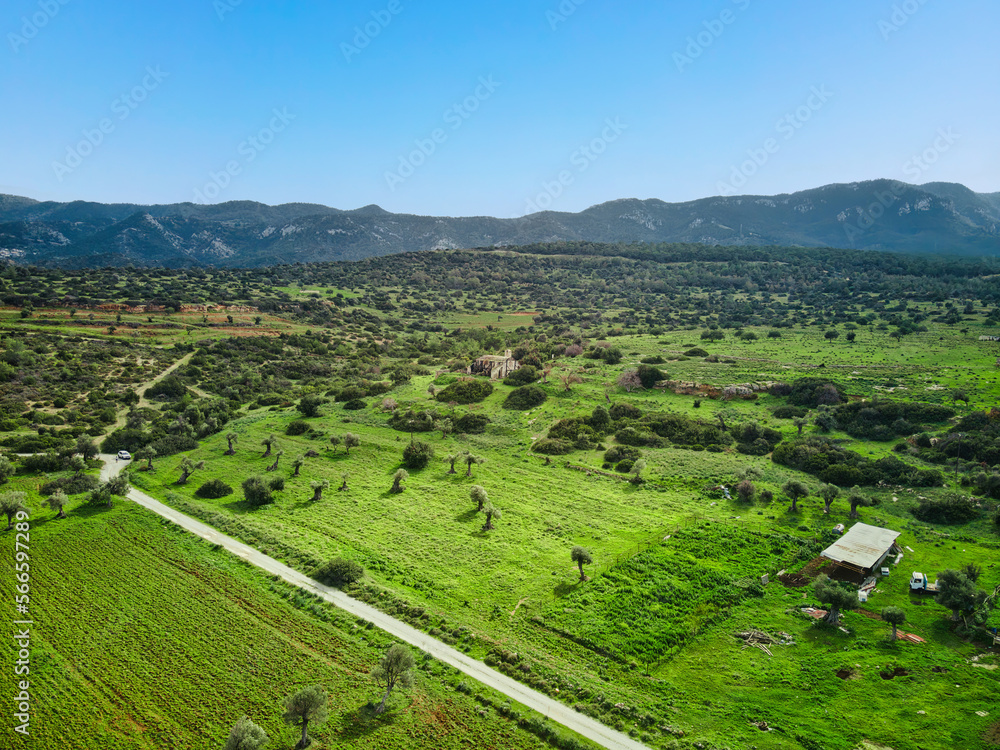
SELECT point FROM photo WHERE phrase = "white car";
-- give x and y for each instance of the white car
(124, 455)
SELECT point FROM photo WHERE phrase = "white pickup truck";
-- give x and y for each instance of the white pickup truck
(919, 582)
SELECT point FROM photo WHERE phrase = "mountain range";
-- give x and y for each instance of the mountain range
(942, 218)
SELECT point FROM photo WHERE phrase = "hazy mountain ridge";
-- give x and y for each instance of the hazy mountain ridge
(881, 214)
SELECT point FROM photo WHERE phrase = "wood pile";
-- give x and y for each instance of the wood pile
(757, 638)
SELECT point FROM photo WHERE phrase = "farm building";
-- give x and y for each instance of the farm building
(863, 549)
(494, 365)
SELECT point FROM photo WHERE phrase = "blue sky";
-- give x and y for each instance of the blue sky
(495, 108)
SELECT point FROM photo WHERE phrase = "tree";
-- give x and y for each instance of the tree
(351, 441)
(446, 426)
(856, 499)
(147, 454)
(118, 486)
(450, 460)
(800, 423)
(245, 735)
(746, 491)
(491, 512)
(400, 476)
(636, 471)
(343, 487)
(336, 440)
(297, 464)
(629, 380)
(835, 596)
(269, 441)
(86, 447)
(256, 492)
(568, 379)
(277, 457)
(470, 459)
(479, 496)
(317, 488)
(395, 669)
(417, 454)
(231, 438)
(189, 467)
(825, 419)
(795, 491)
(307, 705)
(831, 335)
(829, 493)
(12, 503)
(851, 336)
(727, 415)
(309, 405)
(57, 501)
(581, 556)
(956, 592)
(895, 617)
(6, 469)
(972, 571)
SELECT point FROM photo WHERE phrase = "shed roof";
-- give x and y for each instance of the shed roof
(862, 546)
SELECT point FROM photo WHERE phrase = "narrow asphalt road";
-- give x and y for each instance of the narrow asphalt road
(554, 710)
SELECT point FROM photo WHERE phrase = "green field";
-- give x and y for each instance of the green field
(647, 644)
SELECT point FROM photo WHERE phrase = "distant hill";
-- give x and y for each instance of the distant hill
(938, 217)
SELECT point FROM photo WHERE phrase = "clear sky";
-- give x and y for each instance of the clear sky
(465, 108)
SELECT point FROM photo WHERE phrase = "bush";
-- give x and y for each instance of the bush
(552, 447)
(41, 462)
(256, 492)
(70, 485)
(296, 427)
(169, 389)
(656, 359)
(338, 572)
(696, 352)
(621, 453)
(466, 391)
(171, 444)
(525, 397)
(624, 411)
(355, 405)
(472, 424)
(950, 510)
(650, 376)
(417, 455)
(789, 412)
(524, 375)
(813, 392)
(277, 484)
(350, 393)
(213, 489)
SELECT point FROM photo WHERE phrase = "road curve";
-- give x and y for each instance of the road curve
(553, 709)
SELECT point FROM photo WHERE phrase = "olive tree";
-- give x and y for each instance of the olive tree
(398, 478)
(479, 496)
(188, 467)
(895, 617)
(351, 441)
(829, 493)
(317, 488)
(491, 512)
(581, 556)
(307, 705)
(835, 596)
(57, 501)
(12, 503)
(795, 491)
(395, 669)
(245, 735)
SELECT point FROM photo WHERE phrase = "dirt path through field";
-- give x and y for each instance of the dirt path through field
(552, 709)
(140, 389)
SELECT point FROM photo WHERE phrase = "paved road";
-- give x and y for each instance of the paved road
(554, 710)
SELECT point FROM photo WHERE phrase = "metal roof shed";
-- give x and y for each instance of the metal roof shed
(863, 547)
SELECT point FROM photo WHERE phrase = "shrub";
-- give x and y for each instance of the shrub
(656, 359)
(649, 376)
(213, 489)
(296, 427)
(949, 510)
(789, 412)
(256, 492)
(70, 485)
(338, 572)
(417, 455)
(472, 424)
(355, 405)
(552, 447)
(41, 462)
(277, 484)
(171, 444)
(621, 453)
(524, 375)
(169, 389)
(466, 391)
(696, 352)
(624, 411)
(525, 397)
(350, 393)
